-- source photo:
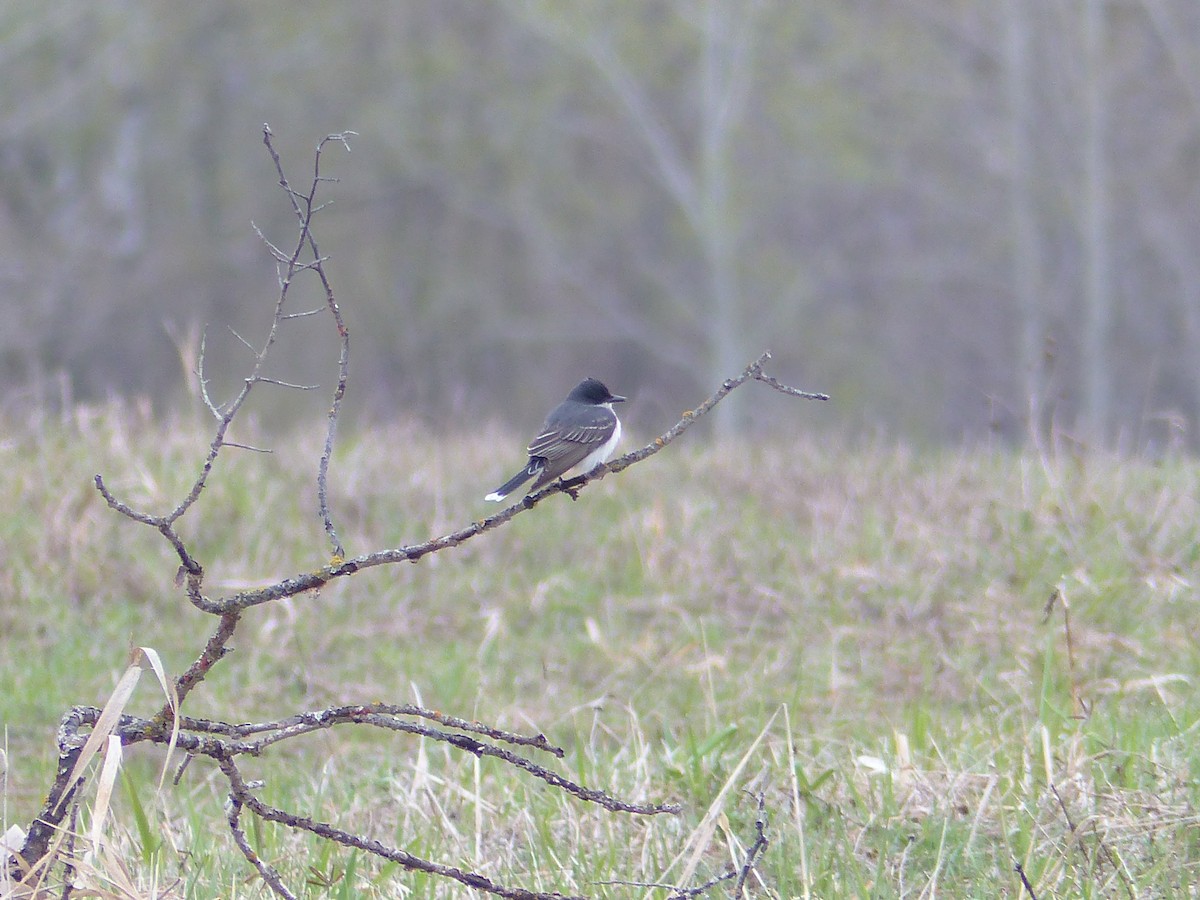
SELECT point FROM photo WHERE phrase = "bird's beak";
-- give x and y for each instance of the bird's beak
(617, 398)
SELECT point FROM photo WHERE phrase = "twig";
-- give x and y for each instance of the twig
(1059, 596)
(240, 446)
(794, 392)
(248, 345)
(208, 401)
(280, 256)
(1020, 870)
(268, 872)
(242, 794)
(756, 849)
(302, 205)
(196, 737)
(226, 414)
(213, 651)
(700, 890)
(742, 873)
(1099, 842)
(289, 384)
(358, 713)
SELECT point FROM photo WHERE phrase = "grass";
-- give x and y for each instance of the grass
(857, 633)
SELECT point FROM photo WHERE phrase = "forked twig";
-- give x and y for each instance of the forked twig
(742, 873)
(303, 206)
(1105, 852)
(268, 872)
(756, 849)
(241, 794)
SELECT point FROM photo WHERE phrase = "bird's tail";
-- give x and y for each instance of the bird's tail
(534, 468)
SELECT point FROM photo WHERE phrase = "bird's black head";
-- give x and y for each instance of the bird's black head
(592, 391)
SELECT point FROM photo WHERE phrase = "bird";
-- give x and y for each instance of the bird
(580, 433)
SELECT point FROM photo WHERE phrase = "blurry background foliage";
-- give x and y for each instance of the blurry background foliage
(934, 210)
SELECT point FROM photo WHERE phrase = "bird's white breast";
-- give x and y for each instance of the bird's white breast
(604, 451)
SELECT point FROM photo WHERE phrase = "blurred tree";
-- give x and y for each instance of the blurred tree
(694, 168)
(893, 198)
(1026, 246)
(1098, 285)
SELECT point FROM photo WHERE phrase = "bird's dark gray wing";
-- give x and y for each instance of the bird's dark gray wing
(565, 445)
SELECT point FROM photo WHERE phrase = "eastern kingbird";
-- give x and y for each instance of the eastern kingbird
(581, 432)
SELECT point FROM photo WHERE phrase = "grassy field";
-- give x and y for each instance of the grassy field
(857, 633)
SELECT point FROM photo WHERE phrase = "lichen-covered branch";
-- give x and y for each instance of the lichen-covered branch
(310, 581)
(223, 743)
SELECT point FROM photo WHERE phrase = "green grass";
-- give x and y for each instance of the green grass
(856, 633)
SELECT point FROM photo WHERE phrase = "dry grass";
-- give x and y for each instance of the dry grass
(858, 634)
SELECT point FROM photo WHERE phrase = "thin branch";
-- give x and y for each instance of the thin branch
(288, 384)
(302, 205)
(690, 893)
(742, 873)
(208, 401)
(213, 651)
(249, 346)
(279, 255)
(195, 735)
(311, 581)
(251, 448)
(306, 313)
(226, 414)
(359, 713)
(756, 849)
(241, 792)
(268, 872)
(794, 392)
(223, 742)
(162, 523)
(1020, 870)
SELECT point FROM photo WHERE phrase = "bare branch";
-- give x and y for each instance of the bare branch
(794, 392)
(289, 384)
(222, 743)
(213, 651)
(1020, 870)
(240, 791)
(269, 874)
(756, 849)
(225, 414)
(345, 714)
(249, 447)
(164, 524)
(212, 407)
(279, 255)
(302, 205)
(249, 346)
(742, 873)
